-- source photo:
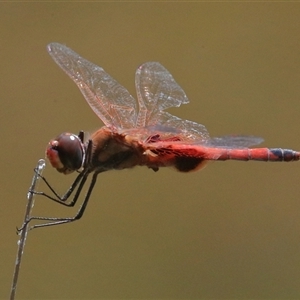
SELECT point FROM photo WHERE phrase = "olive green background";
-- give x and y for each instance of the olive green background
(231, 231)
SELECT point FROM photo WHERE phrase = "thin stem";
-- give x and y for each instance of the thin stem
(23, 233)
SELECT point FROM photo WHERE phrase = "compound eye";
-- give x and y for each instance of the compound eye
(66, 153)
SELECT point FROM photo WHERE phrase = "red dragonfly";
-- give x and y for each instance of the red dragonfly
(143, 134)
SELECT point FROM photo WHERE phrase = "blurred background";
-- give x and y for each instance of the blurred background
(231, 231)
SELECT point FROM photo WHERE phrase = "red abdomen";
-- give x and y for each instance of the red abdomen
(262, 154)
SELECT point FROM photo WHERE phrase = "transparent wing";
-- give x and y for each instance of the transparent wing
(111, 102)
(157, 91)
(232, 141)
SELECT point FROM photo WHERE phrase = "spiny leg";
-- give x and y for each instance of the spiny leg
(62, 199)
(58, 221)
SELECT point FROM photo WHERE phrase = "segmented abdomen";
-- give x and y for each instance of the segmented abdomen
(261, 154)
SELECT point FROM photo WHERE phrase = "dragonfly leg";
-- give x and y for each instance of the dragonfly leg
(57, 221)
(61, 199)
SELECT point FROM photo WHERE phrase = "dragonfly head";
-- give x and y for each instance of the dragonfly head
(66, 153)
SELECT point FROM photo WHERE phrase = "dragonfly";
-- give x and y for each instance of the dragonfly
(137, 133)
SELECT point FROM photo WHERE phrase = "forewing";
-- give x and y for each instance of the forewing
(156, 91)
(111, 102)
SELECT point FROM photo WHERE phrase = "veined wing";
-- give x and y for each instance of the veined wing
(234, 141)
(157, 91)
(228, 141)
(111, 102)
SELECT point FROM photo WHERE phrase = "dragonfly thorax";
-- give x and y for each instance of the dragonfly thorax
(111, 150)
